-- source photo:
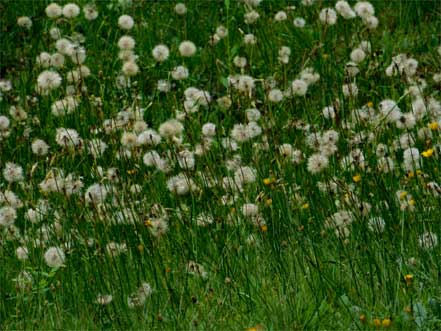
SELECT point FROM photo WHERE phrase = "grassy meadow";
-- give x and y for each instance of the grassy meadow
(220, 165)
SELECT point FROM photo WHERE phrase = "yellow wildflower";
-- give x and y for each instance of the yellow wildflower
(269, 181)
(356, 178)
(403, 195)
(386, 322)
(255, 328)
(427, 153)
(433, 126)
(409, 279)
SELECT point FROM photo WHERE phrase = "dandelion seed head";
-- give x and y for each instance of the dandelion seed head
(53, 10)
(54, 257)
(180, 9)
(187, 48)
(160, 53)
(71, 10)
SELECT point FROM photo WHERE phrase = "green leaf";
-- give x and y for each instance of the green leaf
(420, 314)
(224, 81)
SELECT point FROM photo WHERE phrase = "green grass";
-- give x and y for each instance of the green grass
(294, 273)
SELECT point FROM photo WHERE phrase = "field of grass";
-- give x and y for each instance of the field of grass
(220, 165)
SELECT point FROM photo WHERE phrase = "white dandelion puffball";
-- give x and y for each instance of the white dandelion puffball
(358, 55)
(71, 10)
(280, 16)
(4, 123)
(275, 95)
(317, 162)
(299, 22)
(249, 39)
(67, 137)
(126, 43)
(251, 17)
(53, 10)
(328, 16)
(104, 299)
(171, 128)
(90, 12)
(345, 10)
(130, 68)
(54, 257)
(428, 240)
(96, 194)
(48, 80)
(364, 9)
(7, 216)
(24, 22)
(180, 73)
(209, 129)
(22, 253)
(187, 48)
(161, 53)
(180, 9)
(126, 22)
(13, 172)
(299, 87)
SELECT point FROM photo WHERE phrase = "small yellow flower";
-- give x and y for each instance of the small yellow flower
(370, 104)
(268, 202)
(255, 328)
(264, 228)
(377, 322)
(409, 279)
(410, 174)
(148, 222)
(433, 126)
(305, 206)
(325, 56)
(140, 248)
(131, 172)
(386, 322)
(427, 153)
(267, 181)
(362, 318)
(403, 195)
(412, 202)
(356, 178)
